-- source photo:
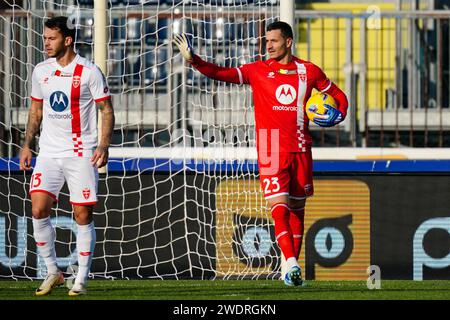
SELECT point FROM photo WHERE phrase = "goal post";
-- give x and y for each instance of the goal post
(100, 51)
(287, 14)
(181, 196)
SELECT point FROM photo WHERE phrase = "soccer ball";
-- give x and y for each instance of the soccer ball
(315, 104)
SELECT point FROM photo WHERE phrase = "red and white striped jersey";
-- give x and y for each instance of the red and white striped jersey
(69, 122)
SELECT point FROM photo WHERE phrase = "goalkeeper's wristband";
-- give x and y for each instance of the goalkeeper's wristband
(334, 116)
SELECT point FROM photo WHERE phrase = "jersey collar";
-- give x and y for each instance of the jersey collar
(70, 65)
(290, 68)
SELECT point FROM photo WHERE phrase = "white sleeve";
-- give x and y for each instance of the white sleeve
(36, 92)
(98, 85)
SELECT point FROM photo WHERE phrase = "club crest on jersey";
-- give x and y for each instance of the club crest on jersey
(285, 94)
(302, 77)
(59, 101)
(308, 189)
(76, 81)
(86, 193)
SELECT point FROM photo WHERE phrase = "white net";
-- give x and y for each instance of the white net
(181, 198)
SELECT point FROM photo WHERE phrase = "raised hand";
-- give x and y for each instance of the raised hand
(184, 46)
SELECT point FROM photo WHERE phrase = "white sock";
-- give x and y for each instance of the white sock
(85, 247)
(45, 236)
(291, 262)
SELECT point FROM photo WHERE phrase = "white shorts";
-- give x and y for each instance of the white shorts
(81, 176)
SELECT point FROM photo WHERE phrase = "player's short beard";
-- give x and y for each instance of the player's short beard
(280, 57)
(58, 52)
(54, 54)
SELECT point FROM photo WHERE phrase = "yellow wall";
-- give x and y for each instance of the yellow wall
(328, 48)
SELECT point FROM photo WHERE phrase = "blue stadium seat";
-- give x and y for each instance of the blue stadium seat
(133, 29)
(116, 3)
(151, 66)
(86, 2)
(131, 2)
(117, 29)
(116, 65)
(140, 2)
(156, 31)
(85, 32)
(153, 2)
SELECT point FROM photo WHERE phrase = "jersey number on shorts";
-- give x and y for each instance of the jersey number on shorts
(36, 180)
(271, 185)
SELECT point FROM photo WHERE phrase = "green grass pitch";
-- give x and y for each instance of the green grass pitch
(234, 290)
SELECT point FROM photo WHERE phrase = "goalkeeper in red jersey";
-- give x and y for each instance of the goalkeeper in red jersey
(281, 86)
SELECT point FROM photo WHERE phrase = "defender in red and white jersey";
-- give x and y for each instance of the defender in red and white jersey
(68, 94)
(281, 87)
(66, 91)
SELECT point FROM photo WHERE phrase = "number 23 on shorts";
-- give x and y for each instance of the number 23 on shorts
(271, 185)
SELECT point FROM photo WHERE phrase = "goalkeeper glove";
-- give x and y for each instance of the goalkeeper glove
(331, 117)
(184, 46)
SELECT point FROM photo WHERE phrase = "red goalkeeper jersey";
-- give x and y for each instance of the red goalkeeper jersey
(280, 93)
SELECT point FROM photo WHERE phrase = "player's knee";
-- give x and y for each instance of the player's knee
(297, 204)
(39, 212)
(83, 215)
(83, 220)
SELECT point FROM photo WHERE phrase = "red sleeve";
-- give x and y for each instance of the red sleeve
(216, 72)
(326, 85)
(340, 97)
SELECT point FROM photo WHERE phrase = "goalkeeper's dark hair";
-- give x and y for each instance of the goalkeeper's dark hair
(62, 23)
(285, 28)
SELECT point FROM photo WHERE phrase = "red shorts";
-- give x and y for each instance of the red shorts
(290, 173)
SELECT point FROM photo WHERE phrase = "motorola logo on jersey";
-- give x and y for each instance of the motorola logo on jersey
(286, 94)
(59, 101)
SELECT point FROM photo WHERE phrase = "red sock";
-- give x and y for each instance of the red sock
(297, 223)
(280, 214)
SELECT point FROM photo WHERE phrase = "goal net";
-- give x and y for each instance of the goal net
(181, 197)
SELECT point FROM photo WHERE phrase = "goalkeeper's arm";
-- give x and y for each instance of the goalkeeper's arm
(340, 98)
(210, 70)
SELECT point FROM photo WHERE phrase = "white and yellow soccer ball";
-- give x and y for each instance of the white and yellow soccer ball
(315, 106)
